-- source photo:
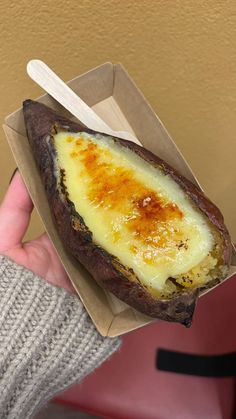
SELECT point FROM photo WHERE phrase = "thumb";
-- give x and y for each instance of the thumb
(15, 212)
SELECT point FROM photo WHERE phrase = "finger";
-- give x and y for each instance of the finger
(15, 212)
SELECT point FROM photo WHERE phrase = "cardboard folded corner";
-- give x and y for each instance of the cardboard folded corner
(110, 91)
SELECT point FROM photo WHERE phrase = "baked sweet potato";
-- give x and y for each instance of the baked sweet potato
(143, 231)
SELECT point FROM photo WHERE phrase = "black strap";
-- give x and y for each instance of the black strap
(200, 365)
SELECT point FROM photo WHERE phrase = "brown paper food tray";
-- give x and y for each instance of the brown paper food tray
(113, 95)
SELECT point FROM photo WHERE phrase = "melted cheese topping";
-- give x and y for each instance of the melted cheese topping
(134, 211)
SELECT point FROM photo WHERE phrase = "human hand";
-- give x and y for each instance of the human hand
(37, 255)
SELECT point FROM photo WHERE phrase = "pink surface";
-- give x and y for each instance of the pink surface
(129, 387)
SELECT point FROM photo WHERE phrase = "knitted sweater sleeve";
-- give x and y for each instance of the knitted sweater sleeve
(47, 341)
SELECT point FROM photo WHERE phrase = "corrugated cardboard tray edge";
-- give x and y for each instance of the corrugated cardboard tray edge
(112, 93)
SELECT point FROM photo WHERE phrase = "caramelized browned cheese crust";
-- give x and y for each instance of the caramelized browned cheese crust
(143, 231)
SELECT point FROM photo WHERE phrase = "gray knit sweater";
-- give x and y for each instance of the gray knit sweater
(47, 341)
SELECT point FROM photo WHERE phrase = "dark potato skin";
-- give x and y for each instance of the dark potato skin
(41, 122)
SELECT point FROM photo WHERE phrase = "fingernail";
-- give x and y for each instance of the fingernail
(13, 174)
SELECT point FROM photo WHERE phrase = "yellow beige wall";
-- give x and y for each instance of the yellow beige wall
(181, 53)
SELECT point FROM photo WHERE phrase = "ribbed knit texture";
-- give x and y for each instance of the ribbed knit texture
(47, 341)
